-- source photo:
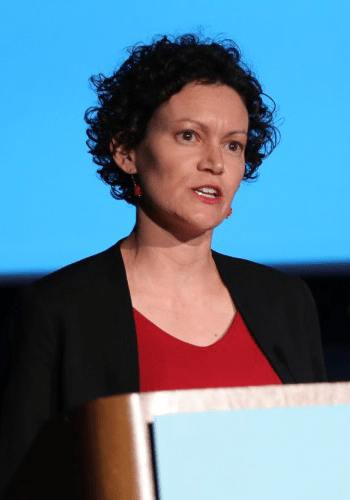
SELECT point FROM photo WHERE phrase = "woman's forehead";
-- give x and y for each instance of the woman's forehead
(205, 103)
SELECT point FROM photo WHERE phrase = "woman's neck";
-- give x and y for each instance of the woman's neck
(155, 256)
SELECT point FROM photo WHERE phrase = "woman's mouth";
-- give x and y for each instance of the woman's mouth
(208, 194)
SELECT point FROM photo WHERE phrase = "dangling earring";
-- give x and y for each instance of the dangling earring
(229, 213)
(137, 188)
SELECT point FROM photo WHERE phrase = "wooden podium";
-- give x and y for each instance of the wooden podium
(103, 450)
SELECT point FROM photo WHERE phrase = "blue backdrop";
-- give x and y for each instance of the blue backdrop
(54, 210)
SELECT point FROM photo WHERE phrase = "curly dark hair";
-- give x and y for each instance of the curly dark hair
(148, 78)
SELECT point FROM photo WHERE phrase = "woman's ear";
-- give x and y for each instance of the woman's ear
(123, 158)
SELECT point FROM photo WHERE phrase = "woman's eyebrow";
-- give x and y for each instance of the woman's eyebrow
(203, 126)
(236, 132)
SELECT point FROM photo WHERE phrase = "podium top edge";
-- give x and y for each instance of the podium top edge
(152, 404)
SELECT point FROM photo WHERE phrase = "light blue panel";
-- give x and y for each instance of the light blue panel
(53, 208)
(265, 454)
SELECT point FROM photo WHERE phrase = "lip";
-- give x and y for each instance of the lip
(209, 201)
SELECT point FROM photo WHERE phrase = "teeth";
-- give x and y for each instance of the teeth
(206, 195)
(208, 192)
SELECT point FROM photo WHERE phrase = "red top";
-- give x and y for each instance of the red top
(169, 363)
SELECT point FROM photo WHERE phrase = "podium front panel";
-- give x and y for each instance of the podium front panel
(266, 454)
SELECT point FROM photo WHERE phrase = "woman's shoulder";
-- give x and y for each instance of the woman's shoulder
(92, 275)
(259, 279)
(237, 266)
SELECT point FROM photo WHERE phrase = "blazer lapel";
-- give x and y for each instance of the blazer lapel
(121, 317)
(258, 319)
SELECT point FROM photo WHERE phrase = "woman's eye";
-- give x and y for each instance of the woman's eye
(187, 135)
(235, 146)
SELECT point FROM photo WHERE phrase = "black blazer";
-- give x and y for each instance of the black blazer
(71, 338)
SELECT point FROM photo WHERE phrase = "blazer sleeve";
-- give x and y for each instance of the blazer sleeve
(313, 336)
(29, 353)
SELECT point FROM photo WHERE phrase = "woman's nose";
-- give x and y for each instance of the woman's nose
(212, 160)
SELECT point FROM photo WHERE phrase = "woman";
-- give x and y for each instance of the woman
(178, 127)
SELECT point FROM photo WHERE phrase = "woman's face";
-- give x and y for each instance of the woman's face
(191, 160)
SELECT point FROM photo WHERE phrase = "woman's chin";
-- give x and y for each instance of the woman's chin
(183, 226)
(186, 229)
(205, 222)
